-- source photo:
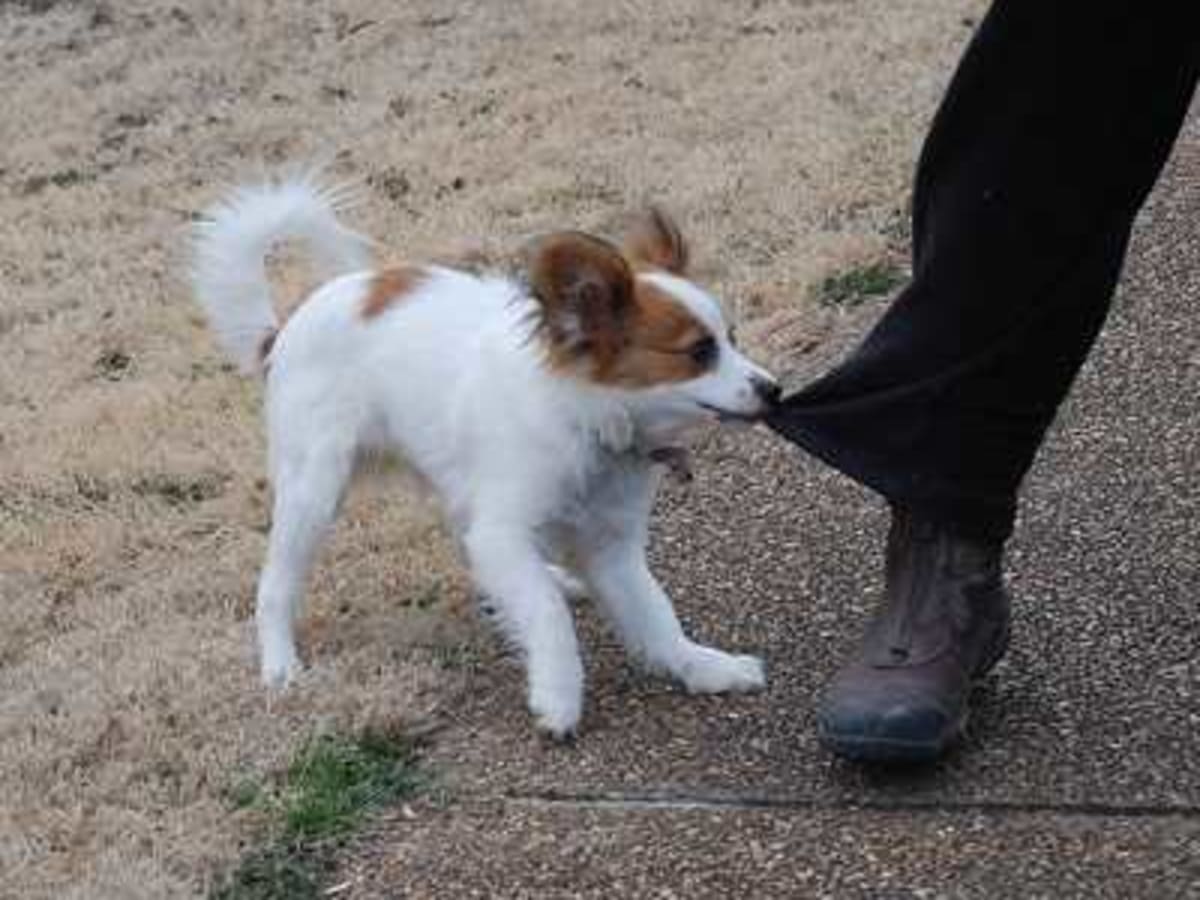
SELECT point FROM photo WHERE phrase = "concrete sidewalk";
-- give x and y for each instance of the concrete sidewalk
(1081, 776)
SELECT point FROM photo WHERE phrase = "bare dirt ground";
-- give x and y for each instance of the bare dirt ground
(132, 499)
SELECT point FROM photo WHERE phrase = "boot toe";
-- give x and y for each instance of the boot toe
(891, 731)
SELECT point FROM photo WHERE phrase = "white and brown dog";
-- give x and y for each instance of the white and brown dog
(535, 405)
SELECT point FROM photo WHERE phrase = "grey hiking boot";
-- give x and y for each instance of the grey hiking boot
(943, 623)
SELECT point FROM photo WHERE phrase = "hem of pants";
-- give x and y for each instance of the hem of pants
(983, 518)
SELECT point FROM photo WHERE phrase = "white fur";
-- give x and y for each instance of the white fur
(229, 270)
(532, 466)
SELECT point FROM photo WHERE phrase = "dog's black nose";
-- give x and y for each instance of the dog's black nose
(768, 391)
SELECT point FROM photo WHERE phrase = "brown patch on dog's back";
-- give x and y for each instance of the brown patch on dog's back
(388, 287)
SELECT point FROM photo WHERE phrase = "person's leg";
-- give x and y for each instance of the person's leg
(1051, 134)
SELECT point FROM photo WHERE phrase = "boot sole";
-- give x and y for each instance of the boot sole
(890, 751)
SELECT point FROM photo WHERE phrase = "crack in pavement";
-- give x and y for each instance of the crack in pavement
(717, 801)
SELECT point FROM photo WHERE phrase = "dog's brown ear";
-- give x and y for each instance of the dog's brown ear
(655, 241)
(585, 288)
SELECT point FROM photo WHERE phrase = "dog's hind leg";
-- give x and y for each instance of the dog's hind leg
(308, 492)
(509, 568)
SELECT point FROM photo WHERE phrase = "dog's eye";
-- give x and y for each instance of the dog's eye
(704, 351)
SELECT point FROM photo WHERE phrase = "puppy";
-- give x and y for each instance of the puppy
(538, 405)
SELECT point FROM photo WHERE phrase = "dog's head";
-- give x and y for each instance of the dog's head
(627, 318)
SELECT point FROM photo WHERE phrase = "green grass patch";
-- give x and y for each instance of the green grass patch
(333, 783)
(275, 873)
(854, 286)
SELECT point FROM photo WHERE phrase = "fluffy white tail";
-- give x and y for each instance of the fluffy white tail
(230, 247)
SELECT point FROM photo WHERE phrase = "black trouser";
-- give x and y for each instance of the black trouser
(1055, 126)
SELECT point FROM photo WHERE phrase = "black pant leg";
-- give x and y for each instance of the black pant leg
(1051, 134)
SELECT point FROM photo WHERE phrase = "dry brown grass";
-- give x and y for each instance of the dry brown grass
(132, 507)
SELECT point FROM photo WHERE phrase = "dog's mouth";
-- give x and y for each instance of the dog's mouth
(729, 415)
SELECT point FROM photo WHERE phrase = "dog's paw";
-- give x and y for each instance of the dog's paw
(556, 710)
(706, 670)
(280, 666)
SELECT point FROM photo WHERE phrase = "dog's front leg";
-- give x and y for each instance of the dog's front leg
(508, 567)
(644, 618)
(611, 545)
